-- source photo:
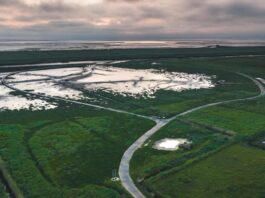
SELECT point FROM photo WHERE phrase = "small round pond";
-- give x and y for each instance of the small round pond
(168, 144)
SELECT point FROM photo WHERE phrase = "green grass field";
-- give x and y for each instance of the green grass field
(148, 162)
(72, 151)
(245, 118)
(3, 193)
(237, 122)
(49, 154)
(28, 57)
(169, 103)
(208, 172)
(237, 171)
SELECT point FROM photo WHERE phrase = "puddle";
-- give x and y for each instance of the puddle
(155, 63)
(118, 62)
(170, 144)
(115, 179)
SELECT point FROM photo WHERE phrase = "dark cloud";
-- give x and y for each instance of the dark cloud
(236, 10)
(9, 2)
(131, 19)
(54, 7)
(229, 17)
(152, 12)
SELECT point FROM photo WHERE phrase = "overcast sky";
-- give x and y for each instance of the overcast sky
(131, 19)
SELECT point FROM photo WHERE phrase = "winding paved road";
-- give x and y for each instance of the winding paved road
(124, 168)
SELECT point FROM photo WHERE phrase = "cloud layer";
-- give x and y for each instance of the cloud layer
(131, 19)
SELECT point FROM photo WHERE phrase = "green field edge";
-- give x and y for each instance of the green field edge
(32, 57)
(10, 182)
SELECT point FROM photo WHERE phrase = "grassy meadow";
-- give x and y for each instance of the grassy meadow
(149, 162)
(31, 57)
(228, 162)
(67, 152)
(170, 174)
(71, 151)
(237, 171)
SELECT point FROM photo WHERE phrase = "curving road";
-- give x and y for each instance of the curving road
(124, 168)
